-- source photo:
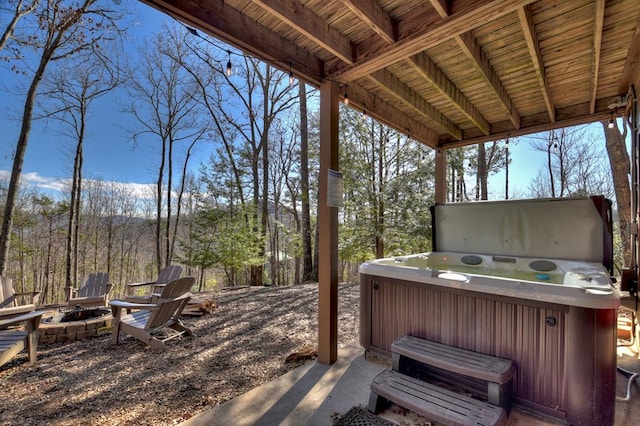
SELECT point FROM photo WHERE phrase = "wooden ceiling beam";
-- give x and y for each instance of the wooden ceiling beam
(404, 93)
(597, 47)
(479, 60)
(474, 53)
(536, 124)
(529, 30)
(227, 24)
(441, 7)
(423, 65)
(305, 22)
(390, 115)
(472, 15)
(632, 64)
(310, 25)
(428, 70)
(375, 17)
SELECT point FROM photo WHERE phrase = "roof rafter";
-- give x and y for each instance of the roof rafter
(391, 116)
(428, 70)
(597, 47)
(461, 22)
(474, 52)
(633, 59)
(441, 6)
(306, 22)
(375, 17)
(526, 22)
(528, 129)
(403, 92)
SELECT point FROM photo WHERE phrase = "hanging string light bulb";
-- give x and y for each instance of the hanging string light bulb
(611, 124)
(346, 96)
(290, 75)
(229, 68)
(364, 111)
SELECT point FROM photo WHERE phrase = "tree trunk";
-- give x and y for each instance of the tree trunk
(159, 256)
(18, 160)
(620, 170)
(482, 173)
(307, 262)
(316, 253)
(71, 228)
(167, 237)
(380, 199)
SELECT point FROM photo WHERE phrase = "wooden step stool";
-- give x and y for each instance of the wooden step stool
(438, 404)
(497, 372)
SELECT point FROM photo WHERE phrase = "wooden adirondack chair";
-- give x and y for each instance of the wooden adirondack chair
(9, 306)
(167, 274)
(149, 321)
(12, 342)
(94, 291)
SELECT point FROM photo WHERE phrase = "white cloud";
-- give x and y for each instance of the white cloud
(138, 190)
(43, 182)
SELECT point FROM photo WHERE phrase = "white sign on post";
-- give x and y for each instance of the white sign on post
(334, 189)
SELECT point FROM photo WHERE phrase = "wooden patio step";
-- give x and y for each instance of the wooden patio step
(497, 372)
(435, 403)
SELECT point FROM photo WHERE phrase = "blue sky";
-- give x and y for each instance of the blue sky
(110, 155)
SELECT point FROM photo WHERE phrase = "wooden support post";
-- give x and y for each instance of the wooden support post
(328, 223)
(441, 176)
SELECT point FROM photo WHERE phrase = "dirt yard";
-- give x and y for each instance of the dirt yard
(242, 345)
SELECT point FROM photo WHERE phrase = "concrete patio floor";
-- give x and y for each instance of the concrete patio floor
(315, 394)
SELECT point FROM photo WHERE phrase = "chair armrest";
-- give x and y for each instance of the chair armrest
(129, 288)
(33, 317)
(171, 299)
(70, 292)
(35, 296)
(141, 284)
(122, 304)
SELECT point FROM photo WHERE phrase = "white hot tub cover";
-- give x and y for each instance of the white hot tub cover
(560, 228)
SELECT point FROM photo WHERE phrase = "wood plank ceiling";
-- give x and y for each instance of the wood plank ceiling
(448, 73)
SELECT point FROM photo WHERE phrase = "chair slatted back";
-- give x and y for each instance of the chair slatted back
(7, 299)
(94, 285)
(169, 273)
(175, 296)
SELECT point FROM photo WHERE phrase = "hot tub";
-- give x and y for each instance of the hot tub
(583, 284)
(554, 316)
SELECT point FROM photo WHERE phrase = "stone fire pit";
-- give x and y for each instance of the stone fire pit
(74, 324)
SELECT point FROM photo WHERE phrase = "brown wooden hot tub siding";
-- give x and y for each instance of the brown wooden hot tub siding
(565, 356)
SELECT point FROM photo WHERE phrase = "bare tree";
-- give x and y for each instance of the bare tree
(284, 223)
(19, 11)
(63, 30)
(555, 144)
(165, 107)
(489, 161)
(620, 171)
(51, 212)
(307, 263)
(244, 106)
(70, 93)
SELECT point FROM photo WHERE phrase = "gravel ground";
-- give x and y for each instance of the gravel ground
(240, 346)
